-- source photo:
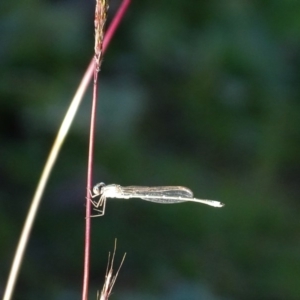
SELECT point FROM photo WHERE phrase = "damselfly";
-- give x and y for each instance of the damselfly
(158, 194)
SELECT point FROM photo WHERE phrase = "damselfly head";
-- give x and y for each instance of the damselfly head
(97, 188)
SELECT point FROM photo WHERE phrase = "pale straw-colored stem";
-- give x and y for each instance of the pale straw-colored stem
(43, 180)
(62, 133)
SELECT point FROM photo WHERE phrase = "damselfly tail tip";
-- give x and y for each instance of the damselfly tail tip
(213, 203)
(218, 204)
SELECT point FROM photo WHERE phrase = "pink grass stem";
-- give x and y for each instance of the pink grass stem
(108, 36)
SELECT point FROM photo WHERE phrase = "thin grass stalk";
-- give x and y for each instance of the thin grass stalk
(100, 46)
(64, 128)
(100, 19)
(58, 142)
(110, 279)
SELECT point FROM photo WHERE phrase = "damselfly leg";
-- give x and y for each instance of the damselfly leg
(100, 203)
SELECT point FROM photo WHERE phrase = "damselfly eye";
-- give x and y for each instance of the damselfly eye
(97, 188)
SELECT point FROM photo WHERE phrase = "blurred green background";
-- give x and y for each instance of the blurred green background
(203, 94)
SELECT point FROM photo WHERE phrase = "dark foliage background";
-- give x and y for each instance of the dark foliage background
(203, 94)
